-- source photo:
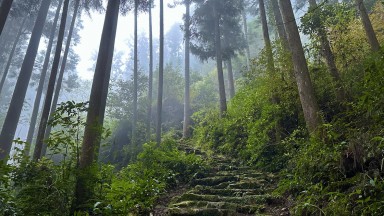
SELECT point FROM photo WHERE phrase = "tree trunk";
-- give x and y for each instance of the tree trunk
(4, 11)
(150, 84)
(279, 22)
(330, 59)
(135, 77)
(61, 73)
(306, 92)
(51, 85)
(16, 105)
(267, 40)
(245, 25)
(161, 76)
(231, 81)
(40, 87)
(187, 99)
(10, 57)
(91, 142)
(375, 46)
(219, 64)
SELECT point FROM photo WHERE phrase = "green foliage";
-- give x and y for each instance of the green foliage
(136, 187)
(260, 114)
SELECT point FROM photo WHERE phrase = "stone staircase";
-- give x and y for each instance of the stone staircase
(227, 189)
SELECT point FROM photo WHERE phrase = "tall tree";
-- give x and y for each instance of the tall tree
(4, 11)
(306, 92)
(245, 26)
(219, 60)
(61, 73)
(267, 40)
(150, 76)
(51, 84)
(40, 87)
(135, 76)
(14, 110)
(327, 51)
(375, 46)
(161, 76)
(223, 17)
(10, 57)
(279, 22)
(98, 97)
(231, 80)
(187, 97)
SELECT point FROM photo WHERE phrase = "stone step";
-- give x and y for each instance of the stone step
(214, 180)
(227, 192)
(239, 208)
(201, 212)
(244, 200)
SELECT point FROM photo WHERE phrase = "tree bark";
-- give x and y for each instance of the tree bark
(267, 40)
(51, 84)
(4, 11)
(187, 99)
(279, 23)
(40, 87)
(375, 46)
(231, 80)
(16, 105)
(61, 73)
(135, 77)
(10, 57)
(306, 92)
(150, 82)
(245, 25)
(98, 97)
(161, 76)
(330, 59)
(102, 72)
(219, 64)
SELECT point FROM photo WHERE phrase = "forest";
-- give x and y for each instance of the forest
(191, 107)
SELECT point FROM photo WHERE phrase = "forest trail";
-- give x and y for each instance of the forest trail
(227, 188)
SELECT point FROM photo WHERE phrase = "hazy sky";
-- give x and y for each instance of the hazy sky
(91, 34)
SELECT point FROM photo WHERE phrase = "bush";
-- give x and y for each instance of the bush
(136, 187)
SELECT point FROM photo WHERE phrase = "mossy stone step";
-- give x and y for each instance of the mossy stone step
(244, 200)
(243, 209)
(227, 192)
(248, 184)
(214, 180)
(201, 212)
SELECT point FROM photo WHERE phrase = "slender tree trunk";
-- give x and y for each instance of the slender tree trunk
(330, 59)
(40, 87)
(4, 11)
(51, 85)
(279, 22)
(306, 92)
(187, 99)
(245, 25)
(270, 62)
(135, 77)
(10, 57)
(150, 84)
(267, 40)
(231, 80)
(91, 142)
(375, 46)
(61, 73)
(161, 76)
(219, 64)
(102, 73)
(16, 105)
